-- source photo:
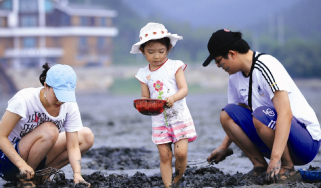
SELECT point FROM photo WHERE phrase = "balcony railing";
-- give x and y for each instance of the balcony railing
(33, 52)
(60, 31)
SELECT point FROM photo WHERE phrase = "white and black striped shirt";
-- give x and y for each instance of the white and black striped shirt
(269, 76)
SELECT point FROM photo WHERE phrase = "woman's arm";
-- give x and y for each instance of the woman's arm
(182, 88)
(75, 156)
(7, 124)
(145, 91)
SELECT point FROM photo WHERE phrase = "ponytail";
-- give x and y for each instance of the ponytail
(43, 75)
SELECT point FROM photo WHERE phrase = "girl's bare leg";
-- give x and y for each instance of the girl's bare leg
(165, 156)
(180, 153)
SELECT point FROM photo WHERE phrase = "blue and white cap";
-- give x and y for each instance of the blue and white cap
(63, 79)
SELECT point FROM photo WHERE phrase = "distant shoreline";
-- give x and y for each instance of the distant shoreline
(120, 80)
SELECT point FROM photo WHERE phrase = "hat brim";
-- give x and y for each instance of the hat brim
(65, 95)
(208, 60)
(173, 38)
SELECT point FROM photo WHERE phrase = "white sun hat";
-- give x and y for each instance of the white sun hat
(154, 31)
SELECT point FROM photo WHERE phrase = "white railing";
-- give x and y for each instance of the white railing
(33, 52)
(58, 31)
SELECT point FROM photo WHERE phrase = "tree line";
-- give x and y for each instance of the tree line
(300, 56)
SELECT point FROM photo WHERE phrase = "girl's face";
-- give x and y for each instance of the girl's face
(51, 97)
(156, 54)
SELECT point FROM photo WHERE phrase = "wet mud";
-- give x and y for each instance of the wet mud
(140, 158)
(123, 148)
(121, 159)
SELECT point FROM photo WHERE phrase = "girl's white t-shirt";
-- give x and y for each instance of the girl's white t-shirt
(269, 76)
(26, 103)
(161, 84)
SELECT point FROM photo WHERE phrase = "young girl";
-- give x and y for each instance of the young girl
(164, 79)
(30, 127)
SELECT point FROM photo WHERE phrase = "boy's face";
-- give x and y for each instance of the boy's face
(227, 64)
(155, 53)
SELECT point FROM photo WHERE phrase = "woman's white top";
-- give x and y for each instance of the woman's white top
(26, 103)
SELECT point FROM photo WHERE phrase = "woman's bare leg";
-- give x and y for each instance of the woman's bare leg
(34, 147)
(58, 156)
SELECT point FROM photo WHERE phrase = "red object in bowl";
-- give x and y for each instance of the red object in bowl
(150, 107)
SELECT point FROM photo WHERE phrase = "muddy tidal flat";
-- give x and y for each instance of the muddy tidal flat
(124, 155)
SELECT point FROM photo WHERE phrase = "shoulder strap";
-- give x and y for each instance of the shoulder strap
(254, 59)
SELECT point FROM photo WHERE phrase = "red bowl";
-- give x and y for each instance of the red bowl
(150, 107)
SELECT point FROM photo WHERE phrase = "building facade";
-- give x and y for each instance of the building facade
(33, 32)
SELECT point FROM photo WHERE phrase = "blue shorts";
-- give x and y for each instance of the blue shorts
(302, 147)
(8, 170)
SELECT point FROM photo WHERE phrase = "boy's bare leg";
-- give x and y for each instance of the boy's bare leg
(267, 136)
(237, 135)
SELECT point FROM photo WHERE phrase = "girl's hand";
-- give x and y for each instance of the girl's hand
(170, 101)
(79, 179)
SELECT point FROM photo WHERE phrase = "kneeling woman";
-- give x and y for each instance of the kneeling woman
(31, 136)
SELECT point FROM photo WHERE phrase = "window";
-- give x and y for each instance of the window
(28, 21)
(30, 62)
(101, 42)
(84, 21)
(52, 60)
(64, 19)
(6, 5)
(29, 42)
(56, 42)
(28, 6)
(103, 22)
(48, 6)
(1, 22)
(83, 45)
(82, 41)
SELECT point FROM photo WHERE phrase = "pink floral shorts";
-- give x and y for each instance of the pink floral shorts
(175, 132)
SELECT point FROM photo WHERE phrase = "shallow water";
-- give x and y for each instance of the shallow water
(117, 124)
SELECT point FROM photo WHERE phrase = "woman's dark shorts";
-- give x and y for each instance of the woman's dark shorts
(8, 170)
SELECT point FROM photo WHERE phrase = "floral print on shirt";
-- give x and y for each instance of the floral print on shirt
(158, 85)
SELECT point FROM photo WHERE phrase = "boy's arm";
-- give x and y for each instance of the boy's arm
(282, 129)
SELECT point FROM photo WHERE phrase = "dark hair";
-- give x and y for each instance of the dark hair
(43, 75)
(239, 45)
(165, 41)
